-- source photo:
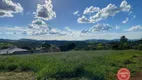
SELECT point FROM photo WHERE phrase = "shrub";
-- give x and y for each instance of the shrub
(11, 67)
(139, 47)
(115, 47)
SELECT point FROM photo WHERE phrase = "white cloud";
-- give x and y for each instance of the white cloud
(125, 21)
(83, 19)
(38, 24)
(91, 9)
(45, 11)
(71, 32)
(97, 35)
(68, 29)
(8, 8)
(34, 32)
(67, 34)
(110, 10)
(117, 27)
(84, 31)
(134, 28)
(38, 27)
(76, 13)
(13, 29)
(55, 31)
(125, 6)
(10, 33)
(38, 30)
(100, 27)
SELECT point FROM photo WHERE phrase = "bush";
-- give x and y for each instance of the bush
(115, 47)
(139, 47)
(67, 46)
(100, 46)
(11, 67)
(5, 45)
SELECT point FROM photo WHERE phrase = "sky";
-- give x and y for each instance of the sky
(70, 19)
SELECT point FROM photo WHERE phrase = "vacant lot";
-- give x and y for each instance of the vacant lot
(73, 65)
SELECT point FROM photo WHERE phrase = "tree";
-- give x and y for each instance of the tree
(100, 46)
(5, 45)
(124, 43)
(123, 39)
(115, 46)
(46, 46)
(67, 46)
(71, 46)
(139, 47)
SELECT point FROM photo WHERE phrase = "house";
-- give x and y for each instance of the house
(55, 49)
(14, 50)
(39, 50)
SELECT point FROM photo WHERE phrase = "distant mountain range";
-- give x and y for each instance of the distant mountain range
(89, 40)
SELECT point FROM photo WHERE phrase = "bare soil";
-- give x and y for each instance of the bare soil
(17, 76)
(137, 77)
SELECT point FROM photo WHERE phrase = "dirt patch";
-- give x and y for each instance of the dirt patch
(139, 57)
(137, 77)
(17, 76)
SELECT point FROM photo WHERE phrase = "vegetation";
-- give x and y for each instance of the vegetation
(74, 65)
(5, 45)
(46, 46)
(67, 46)
(83, 61)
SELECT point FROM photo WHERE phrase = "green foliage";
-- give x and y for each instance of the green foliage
(67, 46)
(100, 46)
(90, 65)
(124, 43)
(5, 45)
(46, 46)
(123, 39)
(139, 47)
(115, 46)
(51, 46)
(26, 47)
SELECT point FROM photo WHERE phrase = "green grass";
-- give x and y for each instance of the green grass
(74, 65)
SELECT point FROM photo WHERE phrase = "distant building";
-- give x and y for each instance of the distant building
(38, 50)
(55, 49)
(14, 50)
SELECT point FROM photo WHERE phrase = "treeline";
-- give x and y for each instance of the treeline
(52, 46)
(122, 44)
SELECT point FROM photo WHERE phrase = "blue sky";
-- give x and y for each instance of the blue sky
(70, 19)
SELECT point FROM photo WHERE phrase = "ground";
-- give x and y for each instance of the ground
(17, 76)
(72, 65)
(138, 76)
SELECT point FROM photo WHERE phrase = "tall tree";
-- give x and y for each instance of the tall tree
(124, 43)
(123, 39)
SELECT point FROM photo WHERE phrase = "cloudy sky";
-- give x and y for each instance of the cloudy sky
(70, 19)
